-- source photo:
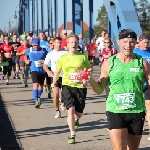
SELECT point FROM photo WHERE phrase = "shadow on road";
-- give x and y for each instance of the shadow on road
(8, 140)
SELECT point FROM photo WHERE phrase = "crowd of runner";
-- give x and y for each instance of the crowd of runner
(56, 64)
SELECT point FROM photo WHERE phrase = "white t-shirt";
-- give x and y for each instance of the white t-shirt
(100, 43)
(53, 58)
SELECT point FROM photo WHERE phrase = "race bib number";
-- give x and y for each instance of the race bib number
(92, 51)
(74, 77)
(125, 101)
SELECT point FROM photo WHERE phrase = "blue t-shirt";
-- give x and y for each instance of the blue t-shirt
(44, 44)
(35, 55)
(81, 44)
(145, 55)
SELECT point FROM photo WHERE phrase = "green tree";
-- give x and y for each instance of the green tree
(143, 10)
(102, 20)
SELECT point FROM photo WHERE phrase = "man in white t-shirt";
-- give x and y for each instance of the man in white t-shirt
(100, 40)
(52, 58)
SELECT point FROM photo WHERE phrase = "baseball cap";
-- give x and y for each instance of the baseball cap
(143, 36)
(36, 41)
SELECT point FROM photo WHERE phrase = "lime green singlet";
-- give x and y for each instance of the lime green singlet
(126, 86)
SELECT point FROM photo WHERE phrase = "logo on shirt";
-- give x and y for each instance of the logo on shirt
(134, 69)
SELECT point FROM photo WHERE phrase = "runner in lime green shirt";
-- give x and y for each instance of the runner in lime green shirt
(125, 74)
(74, 89)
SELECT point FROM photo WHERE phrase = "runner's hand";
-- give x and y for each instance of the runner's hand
(50, 73)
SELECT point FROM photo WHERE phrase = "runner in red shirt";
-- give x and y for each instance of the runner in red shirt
(92, 48)
(64, 42)
(7, 51)
(107, 51)
(25, 68)
(105, 54)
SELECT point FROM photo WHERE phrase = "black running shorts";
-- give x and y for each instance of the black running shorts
(132, 121)
(91, 58)
(58, 82)
(38, 77)
(73, 96)
(48, 79)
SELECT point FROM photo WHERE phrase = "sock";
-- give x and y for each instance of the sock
(35, 95)
(39, 93)
(72, 133)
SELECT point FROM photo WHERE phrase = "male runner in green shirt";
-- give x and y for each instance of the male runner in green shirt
(125, 74)
(73, 89)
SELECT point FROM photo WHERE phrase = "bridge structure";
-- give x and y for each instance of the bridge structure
(121, 15)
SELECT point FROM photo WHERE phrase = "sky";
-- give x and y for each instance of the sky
(8, 7)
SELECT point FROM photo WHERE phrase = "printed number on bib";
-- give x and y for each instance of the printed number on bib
(74, 77)
(92, 51)
(125, 101)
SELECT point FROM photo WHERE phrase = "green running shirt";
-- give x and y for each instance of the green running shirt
(126, 86)
(68, 64)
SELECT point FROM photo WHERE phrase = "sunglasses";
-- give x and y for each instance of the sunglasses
(50, 43)
(35, 45)
(106, 42)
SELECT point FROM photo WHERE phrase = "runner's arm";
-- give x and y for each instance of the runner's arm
(147, 72)
(99, 86)
(46, 62)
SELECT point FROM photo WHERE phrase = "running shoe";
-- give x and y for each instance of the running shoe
(63, 106)
(76, 124)
(17, 76)
(7, 83)
(26, 85)
(49, 96)
(58, 114)
(71, 140)
(37, 104)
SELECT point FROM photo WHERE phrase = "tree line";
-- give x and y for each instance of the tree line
(142, 8)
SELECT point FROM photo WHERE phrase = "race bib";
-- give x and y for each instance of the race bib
(125, 101)
(92, 51)
(74, 77)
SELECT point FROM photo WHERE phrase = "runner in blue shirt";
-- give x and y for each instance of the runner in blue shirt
(144, 51)
(35, 57)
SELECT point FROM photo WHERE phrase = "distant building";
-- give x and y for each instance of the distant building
(69, 27)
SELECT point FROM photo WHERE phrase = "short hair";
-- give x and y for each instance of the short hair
(57, 38)
(71, 35)
(41, 31)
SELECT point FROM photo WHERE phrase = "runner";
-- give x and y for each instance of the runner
(144, 51)
(25, 68)
(52, 58)
(92, 48)
(125, 107)
(73, 90)
(35, 57)
(47, 82)
(100, 40)
(15, 58)
(81, 42)
(43, 44)
(7, 51)
(107, 51)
